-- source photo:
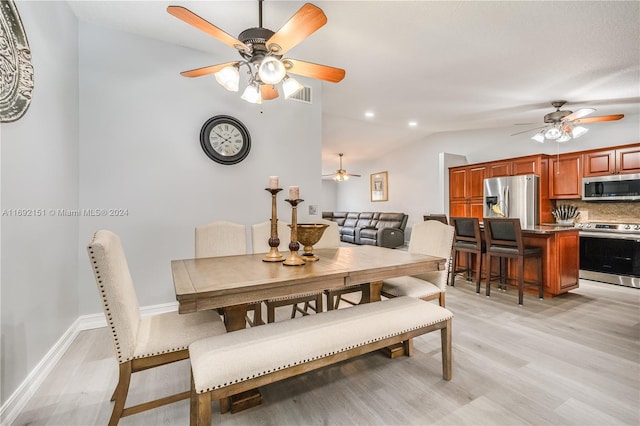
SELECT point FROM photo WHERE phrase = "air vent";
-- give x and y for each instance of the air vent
(303, 95)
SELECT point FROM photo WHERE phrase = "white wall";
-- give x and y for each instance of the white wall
(416, 186)
(139, 150)
(40, 171)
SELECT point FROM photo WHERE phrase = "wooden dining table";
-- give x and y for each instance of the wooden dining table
(232, 283)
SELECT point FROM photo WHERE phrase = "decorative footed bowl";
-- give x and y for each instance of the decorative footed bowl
(308, 235)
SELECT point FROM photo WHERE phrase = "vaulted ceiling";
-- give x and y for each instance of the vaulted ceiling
(448, 66)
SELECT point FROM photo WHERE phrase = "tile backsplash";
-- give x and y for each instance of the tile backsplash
(605, 212)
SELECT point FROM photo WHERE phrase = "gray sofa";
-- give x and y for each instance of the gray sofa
(372, 228)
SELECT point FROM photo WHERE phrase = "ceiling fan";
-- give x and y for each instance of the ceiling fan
(563, 126)
(261, 50)
(341, 174)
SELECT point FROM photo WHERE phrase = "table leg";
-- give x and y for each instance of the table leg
(235, 319)
(372, 292)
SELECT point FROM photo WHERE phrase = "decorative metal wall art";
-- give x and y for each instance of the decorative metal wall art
(16, 70)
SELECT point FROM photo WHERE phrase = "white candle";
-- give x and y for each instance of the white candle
(273, 182)
(294, 192)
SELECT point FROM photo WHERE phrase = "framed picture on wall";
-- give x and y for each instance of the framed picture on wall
(379, 187)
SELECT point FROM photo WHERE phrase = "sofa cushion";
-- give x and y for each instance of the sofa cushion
(370, 233)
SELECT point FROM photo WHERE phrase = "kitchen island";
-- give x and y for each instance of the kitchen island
(560, 247)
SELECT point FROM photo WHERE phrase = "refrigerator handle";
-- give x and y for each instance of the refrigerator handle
(507, 203)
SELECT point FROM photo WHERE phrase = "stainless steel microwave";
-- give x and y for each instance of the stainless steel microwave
(611, 188)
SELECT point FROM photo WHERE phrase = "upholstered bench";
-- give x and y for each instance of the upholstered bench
(235, 362)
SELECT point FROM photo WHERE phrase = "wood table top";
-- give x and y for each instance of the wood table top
(214, 282)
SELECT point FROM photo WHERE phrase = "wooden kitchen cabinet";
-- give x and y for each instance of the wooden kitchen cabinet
(516, 166)
(565, 176)
(466, 186)
(612, 161)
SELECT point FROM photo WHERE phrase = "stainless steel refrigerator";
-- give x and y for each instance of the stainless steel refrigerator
(513, 196)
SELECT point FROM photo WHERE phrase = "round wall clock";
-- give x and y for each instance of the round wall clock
(225, 139)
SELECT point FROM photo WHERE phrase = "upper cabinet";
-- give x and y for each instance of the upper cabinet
(517, 166)
(565, 176)
(466, 185)
(612, 161)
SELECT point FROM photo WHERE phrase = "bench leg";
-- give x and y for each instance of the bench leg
(445, 336)
(408, 347)
(203, 410)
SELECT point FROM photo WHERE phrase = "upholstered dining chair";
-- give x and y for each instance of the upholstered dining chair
(223, 238)
(432, 238)
(260, 234)
(141, 342)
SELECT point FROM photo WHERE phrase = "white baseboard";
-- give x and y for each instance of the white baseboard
(14, 405)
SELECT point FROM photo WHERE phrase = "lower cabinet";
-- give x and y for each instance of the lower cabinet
(560, 260)
(560, 263)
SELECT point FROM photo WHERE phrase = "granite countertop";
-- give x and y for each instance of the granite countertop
(547, 228)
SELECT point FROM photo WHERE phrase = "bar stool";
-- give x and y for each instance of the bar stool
(467, 239)
(439, 217)
(504, 240)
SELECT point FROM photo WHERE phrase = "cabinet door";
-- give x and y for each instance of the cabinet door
(526, 166)
(599, 163)
(628, 160)
(476, 181)
(499, 169)
(457, 184)
(565, 177)
(476, 208)
(458, 209)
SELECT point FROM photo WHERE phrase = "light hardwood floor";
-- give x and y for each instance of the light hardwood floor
(571, 360)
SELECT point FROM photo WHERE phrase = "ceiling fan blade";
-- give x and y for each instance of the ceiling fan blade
(351, 174)
(583, 112)
(598, 119)
(309, 69)
(203, 25)
(529, 130)
(302, 24)
(268, 91)
(206, 70)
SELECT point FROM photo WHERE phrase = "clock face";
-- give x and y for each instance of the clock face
(225, 140)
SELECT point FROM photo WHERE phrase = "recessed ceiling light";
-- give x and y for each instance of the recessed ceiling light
(413, 123)
(369, 114)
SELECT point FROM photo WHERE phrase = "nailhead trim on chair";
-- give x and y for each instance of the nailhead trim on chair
(109, 318)
(276, 299)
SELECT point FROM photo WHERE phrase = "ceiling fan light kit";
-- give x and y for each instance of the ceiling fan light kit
(341, 174)
(262, 51)
(229, 78)
(562, 126)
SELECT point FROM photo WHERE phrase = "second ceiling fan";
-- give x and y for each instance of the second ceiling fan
(261, 50)
(341, 174)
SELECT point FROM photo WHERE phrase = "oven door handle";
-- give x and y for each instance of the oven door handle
(610, 235)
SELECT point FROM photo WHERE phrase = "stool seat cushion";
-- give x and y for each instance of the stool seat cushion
(410, 286)
(528, 251)
(463, 245)
(235, 357)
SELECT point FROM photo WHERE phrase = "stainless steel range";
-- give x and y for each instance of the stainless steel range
(610, 252)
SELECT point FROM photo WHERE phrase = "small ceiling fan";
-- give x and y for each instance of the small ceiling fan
(563, 126)
(261, 50)
(341, 174)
